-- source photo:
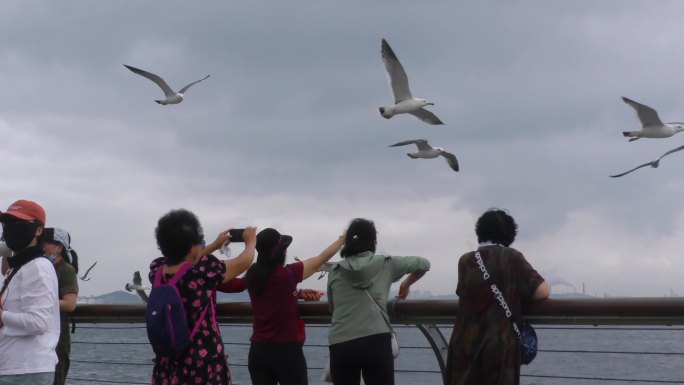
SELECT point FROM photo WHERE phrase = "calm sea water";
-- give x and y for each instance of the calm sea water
(106, 354)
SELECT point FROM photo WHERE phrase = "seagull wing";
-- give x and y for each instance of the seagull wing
(421, 143)
(160, 82)
(182, 91)
(395, 73)
(426, 116)
(143, 296)
(647, 115)
(83, 277)
(139, 288)
(451, 159)
(670, 152)
(634, 169)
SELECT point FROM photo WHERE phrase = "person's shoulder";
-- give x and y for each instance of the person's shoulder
(513, 252)
(209, 258)
(209, 264)
(159, 261)
(67, 268)
(39, 263)
(466, 255)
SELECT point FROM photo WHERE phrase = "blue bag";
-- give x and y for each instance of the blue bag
(167, 324)
(528, 343)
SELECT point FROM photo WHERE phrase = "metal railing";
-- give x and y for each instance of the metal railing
(584, 311)
(427, 315)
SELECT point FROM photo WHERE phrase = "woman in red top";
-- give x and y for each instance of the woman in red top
(276, 354)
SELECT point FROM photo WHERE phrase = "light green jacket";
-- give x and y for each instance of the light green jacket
(354, 315)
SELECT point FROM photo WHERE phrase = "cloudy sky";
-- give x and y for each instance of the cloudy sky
(286, 132)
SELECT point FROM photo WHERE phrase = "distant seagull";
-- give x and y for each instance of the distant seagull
(138, 286)
(425, 151)
(172, 97)
(404, 102)
(654, 163)
(85, 277)
(652, 126)
(324, 269)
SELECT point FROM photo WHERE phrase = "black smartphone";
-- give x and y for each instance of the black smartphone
(236, 235)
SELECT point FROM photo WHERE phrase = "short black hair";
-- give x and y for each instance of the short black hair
(177, 232)
(496, 226)
(361, 236)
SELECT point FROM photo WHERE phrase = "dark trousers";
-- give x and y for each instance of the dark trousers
(63, 349)
(271, 364)
(370, 357)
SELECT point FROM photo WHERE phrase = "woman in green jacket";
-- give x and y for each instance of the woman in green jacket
(358, 286)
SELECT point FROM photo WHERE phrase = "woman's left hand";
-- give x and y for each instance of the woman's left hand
(310, 294)
(404, 290)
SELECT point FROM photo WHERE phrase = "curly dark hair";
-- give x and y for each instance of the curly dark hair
(361, 236)
(496, 226)
(177, 232)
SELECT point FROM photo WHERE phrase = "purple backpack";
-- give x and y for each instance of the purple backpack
(167, 324)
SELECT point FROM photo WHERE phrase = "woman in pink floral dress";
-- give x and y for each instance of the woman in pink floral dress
(180, 239)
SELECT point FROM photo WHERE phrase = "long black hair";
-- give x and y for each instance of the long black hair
(361, 236)
(258, 274)
(272, 249)
(71, 257)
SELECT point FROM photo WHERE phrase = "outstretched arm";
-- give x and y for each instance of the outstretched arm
(312, 265)
(405, 286)
(241, 263)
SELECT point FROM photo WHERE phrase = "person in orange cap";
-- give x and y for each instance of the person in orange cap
(29, 310)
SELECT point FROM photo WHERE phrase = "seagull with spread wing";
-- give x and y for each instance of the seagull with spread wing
(654, 163)
(404, 102)
(425, 151)
(172, 97)
(138, 286)
(85, 277)
(651, 125)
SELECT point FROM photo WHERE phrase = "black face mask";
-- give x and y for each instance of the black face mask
(18, 235)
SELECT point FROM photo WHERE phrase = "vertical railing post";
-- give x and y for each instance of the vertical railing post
(439, 345)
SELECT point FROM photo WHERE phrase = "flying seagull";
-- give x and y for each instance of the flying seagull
(85, 277)
(425, 151)
(651, 125)
(172, 97)
(654, 163)
(404, 102)
(138, 286)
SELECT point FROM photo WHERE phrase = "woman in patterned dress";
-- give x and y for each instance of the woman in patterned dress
(181, 240)
(484, 349)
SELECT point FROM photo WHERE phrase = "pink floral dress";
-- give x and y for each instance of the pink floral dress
(204, 362)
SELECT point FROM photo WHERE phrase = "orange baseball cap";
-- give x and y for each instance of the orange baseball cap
(25, 210)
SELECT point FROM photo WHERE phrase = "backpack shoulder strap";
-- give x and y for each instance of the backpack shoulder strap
(211, 304)
(159, 274)
(186, 266)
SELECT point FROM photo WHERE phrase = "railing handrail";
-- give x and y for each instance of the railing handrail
(576, 311)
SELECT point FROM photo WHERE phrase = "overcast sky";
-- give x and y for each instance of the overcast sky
(286, 132)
